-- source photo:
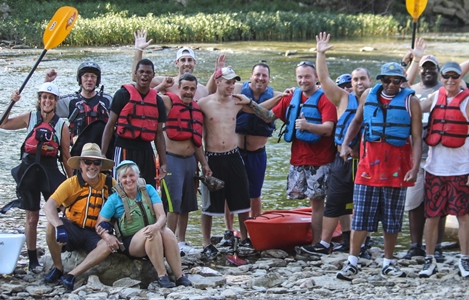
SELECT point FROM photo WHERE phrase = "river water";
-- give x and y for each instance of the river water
(116, 65)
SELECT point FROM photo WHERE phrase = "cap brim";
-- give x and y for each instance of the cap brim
(451, 69)
(391, 75)
(231, 77)
(74, 162)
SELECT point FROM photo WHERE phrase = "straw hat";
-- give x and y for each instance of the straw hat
(91, 151)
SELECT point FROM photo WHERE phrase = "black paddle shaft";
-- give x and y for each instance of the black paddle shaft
(10, 106)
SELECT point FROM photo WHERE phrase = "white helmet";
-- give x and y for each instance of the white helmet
(49, 87)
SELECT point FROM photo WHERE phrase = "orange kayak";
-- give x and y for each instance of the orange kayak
(283, 229)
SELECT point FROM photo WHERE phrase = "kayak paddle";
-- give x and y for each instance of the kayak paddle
(415, 9)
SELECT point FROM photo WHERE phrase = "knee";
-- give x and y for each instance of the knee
(32, 217)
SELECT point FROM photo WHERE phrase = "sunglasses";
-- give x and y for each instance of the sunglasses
(455, 76)
(346, 86)
(395, 81)
(306, 63)
(88, 162)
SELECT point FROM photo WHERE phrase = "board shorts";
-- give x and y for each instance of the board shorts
(229, 167)
(144, 158)
(256, 165)
(308, 182)
(416, 193)
(79, 238)
(375, 203)
(446, 195)
(340, 188)
(181, 194)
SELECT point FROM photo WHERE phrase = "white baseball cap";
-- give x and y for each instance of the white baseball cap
(227, 73)
(48, 87)
(185, 52)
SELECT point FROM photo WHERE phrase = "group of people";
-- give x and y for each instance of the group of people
(356, 153)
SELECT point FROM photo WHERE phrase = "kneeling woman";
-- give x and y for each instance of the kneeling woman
(142, 223)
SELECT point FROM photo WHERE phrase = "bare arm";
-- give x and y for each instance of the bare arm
(464, 67)
(426, 104)
(416, 133)
(417, 54)
(108, 132)
(324, 129)
(219, 63)
(140, 44)
(50, 210)
(252, 107)
(332, 91)
(354, 128)
(269, 104)
(17, 122)
(65, 149)
(160, 146)
(200, 156)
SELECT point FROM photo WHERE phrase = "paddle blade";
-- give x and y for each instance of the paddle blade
(59, 26)
(235, 260)
(415, 8)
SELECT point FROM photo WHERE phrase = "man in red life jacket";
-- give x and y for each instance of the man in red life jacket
(447, 165)
(138, 114)
(388, 164)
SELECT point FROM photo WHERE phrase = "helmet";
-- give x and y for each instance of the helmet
(48, 87)
(344, 78)
(89, 67)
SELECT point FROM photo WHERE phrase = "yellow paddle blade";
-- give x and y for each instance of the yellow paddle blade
(415, 8)
(59, 26)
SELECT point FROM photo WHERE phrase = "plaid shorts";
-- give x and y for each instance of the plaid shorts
(308, 181)
(373, 204)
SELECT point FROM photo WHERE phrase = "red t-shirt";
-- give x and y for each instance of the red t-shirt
(311, 154)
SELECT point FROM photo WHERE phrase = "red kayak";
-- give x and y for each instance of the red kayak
(284, 229)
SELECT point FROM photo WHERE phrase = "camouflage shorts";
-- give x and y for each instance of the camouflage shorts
(308, 182)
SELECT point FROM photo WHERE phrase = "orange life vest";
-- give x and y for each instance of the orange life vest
(139, 117)
(185, 121)
(447, 124)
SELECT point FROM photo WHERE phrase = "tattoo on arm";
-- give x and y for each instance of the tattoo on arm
(261, 112)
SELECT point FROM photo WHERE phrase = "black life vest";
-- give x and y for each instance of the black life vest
(83, 114)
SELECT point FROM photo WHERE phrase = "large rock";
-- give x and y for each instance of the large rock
(115, 267)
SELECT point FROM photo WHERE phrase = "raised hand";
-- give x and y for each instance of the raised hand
(419, 49)
(51, 74)
(141, 40)
(322, 41)
(220, 62)
(15, 96)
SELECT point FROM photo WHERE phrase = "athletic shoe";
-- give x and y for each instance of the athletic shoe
(439, 257)
(429, 268)
(342, 248)
(164, 282)
(183, 280)
(210, 251)
(317, 249)
(364, 253)
(347, 272)
(392, 270)
(53, 275)
(188, 249)
(67, 281)
(464, 267)
(246, 243)
(227, 240)
(414, 251)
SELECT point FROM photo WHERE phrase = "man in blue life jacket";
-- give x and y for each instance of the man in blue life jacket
(389, 163)
(339, 202)
(310, 119)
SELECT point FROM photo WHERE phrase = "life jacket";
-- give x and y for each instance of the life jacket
(249, 124)
(139, 117)
(184, 121)
(447, 124)
(84, 211)
(311, 113)
(344, 121)
(83, 114)
(137, 214)
(390, 122)
(44, 138)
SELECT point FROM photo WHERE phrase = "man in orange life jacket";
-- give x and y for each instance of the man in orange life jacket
(82, 196)
(388, 164)
(183, 135)
(447, 165)
(86, 105)
(137, 114)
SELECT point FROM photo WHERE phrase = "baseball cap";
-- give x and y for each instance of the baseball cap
(451, 66)
(185, 52)
(429, 58)
(392, 69)
(227, 73)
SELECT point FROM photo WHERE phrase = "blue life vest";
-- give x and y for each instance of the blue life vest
(344, 121)
(250, 124)
(311, 113)
(391, 124)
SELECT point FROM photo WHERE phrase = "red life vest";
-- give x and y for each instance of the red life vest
(447, 124)
(139, 117)
(185, 121)
(43, 140)
(85, 115)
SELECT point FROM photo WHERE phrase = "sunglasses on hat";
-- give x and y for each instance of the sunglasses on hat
(306, 63)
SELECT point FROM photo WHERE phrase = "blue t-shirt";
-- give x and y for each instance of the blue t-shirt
(115, 208)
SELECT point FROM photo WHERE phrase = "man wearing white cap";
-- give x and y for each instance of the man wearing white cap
(447, 165)
(185, 63)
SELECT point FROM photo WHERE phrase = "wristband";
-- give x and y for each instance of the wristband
(61, 235)
(106, 226)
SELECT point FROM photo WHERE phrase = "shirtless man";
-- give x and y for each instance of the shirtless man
(185, 63)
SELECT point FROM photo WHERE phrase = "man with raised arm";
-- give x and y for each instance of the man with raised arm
(340, 193)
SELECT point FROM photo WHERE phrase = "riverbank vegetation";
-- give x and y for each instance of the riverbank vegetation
(168, 21)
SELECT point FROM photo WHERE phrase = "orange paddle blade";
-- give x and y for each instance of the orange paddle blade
(415, 8)
(59, 26)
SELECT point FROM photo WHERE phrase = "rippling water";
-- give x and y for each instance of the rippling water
(116, 65)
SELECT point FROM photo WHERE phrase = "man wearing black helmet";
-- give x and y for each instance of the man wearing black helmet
(87, 105)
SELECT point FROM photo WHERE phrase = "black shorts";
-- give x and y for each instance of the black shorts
(79, 238)
(144, 158)
(340, 193)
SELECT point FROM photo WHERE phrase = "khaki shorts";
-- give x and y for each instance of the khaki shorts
(415, 194)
